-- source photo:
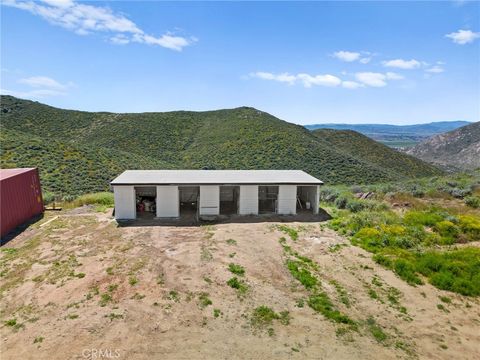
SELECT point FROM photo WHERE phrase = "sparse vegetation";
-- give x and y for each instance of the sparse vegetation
(293, 233)
(342, 293)
(231, 242)
(237, 284)
(264, 316)
(321, 303)
(408, 242)
(300, 272)
(236, 269)
(173, 295)
(138, 296)
(105, 299)
(114, 316)
(376, 331)
(204, 300)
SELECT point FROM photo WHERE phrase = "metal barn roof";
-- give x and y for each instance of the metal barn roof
(207, 177)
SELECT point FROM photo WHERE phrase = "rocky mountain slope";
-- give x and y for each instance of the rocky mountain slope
(458, 149)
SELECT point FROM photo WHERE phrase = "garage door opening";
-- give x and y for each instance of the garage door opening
(146, 201)
(267, 199)
(189, 196)
(229, 199)
(306, 198)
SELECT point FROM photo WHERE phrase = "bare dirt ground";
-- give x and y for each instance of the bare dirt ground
(82, 287)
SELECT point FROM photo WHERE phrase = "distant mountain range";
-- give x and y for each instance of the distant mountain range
(79, 152)
(455, 150)
(396, 135)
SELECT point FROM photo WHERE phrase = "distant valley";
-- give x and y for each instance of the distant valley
(397, 136)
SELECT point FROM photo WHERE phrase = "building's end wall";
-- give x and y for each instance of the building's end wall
(124, 202)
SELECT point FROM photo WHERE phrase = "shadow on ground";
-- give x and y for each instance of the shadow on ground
(190, 219)
(19, 229)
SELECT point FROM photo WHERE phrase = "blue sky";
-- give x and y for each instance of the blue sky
(308, 62)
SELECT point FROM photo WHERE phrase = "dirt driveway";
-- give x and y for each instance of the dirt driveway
(81, 287)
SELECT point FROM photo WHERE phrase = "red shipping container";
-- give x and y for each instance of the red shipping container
(20, 197)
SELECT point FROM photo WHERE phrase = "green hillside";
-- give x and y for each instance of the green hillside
(67, 169)
(104, 144)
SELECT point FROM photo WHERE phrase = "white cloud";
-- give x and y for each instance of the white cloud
(168, 41)
(351, 84)
(376, 79)
(351, 56)
(347, 56)
(363, 79)
(394, 76)
(86, 19)
(322, 80)
(32, 94)
(403, 64)
(306, 80)
(365, 60)
(463, 37)
(119, 39)
(435, 69)
(41, 87)
(283, 77)
(43, 82)
(371, 79)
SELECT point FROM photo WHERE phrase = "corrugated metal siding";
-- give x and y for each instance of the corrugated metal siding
(20, 198)
(124, 202)
(248, 200)
(167, 201)
(287, 199)
(209, 200)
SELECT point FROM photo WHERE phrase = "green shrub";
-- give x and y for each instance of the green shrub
(355, 205)
(300, 273)
(376, 331)
(368, 238)
(448, 230)
(406, 270)
(236, 269)
(454, 270)
(101, 198)
(237, 284)
(48, 197)
(470, 226)
(204, 300)
(426, 218)
(293, 233)
(341, 202)
(472, 201)
(263, 316)
(322, 304)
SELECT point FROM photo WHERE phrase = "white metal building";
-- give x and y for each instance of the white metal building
(210, 193)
